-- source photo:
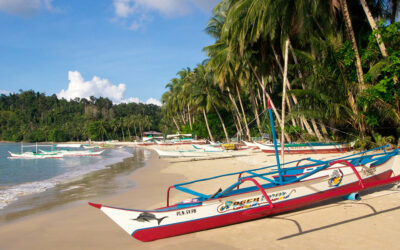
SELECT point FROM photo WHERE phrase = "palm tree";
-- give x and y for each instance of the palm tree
(187, 101)
(353, 42)
(201, 93)
(225, 76)
(170, 101)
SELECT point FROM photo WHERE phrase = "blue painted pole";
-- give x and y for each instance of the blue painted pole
(271, 118)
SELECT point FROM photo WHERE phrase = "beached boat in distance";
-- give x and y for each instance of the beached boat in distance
(254, 144)
(207, 148)
(178, 154)
(283, 190)
(33, 155)
(307, 148)
(68, 145)
(74, 152)
(197, 153)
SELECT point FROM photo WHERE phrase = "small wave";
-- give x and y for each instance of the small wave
(75, 171)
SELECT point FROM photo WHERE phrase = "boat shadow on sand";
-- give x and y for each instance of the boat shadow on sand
(339, 202)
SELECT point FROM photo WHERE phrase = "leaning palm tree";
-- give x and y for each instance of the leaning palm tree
(201, 93)
(374, 28)
(223, 68)
(353, 42)
(216, 97)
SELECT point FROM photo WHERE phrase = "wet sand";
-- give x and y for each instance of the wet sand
(337, 224)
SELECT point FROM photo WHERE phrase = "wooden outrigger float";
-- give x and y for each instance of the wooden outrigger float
(278, 188)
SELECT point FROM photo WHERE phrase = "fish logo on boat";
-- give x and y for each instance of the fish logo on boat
(336, 178)
(147, 217)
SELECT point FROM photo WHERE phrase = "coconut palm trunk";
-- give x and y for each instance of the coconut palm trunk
(290, 110)
(238, 131)
(243, 114)
(260, 82)
(208, 127)
(302, 118)
(254, 104)
(190, 118)
(176, 124)
(324, 130)
(222, 122)
(183, 118)
(237, 112)
(134, 127)
(360, 75)
(374, 27)
(129, 133)
(350, 33)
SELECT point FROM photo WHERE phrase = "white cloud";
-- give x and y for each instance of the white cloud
(129, 10)
(25, 7)
(153, 101)
(98, 87)
(4, 92)
(130, 99)
(139, 23)
(123, 8)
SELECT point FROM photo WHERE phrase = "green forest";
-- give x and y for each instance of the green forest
(337, 63)
(338, 60)
(34, 117)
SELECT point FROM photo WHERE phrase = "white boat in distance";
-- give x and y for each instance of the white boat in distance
(207, 148)
(307, 148)
(68, 145)
(250, 144)
(197, 153)
(33, 155)
(74, 152)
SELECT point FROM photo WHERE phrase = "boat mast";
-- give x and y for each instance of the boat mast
(271, 118)
(284, 101)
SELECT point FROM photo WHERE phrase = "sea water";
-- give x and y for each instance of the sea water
(26, 177)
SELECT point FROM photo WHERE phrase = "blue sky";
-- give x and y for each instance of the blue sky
(127, 50)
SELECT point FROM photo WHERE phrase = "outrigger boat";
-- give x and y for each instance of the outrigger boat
(278, 188)
(34, 155)
(197, 153)
(207, 148)
(73, 152)
(251, 145)
(307, 148)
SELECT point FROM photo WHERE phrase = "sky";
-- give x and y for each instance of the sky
(126, 50)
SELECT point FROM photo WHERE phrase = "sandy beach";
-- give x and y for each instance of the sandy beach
(336, 224)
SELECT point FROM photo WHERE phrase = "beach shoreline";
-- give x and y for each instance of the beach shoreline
(329, 225)
(104, 182)
(78, 178)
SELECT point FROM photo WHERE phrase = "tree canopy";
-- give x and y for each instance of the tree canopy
(33, 116)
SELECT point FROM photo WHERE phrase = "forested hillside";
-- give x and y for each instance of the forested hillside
(33, 116)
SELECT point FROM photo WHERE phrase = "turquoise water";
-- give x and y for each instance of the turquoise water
(22, 177)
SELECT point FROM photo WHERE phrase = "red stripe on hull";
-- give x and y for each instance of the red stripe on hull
(309, 151)
(259, 212)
